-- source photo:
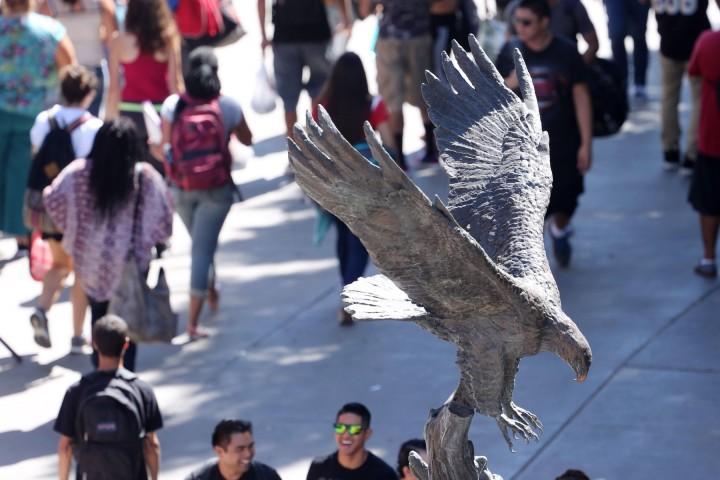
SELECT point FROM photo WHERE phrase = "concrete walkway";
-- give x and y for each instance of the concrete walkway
(278, 357)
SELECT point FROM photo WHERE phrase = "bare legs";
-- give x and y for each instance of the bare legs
(79, 302)
(53, 282)
(290, 120)
(561, 220)
(195, 308)
(709, 230)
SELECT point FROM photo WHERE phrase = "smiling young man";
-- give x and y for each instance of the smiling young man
(351, 461)
(234, 446)
(560, 80)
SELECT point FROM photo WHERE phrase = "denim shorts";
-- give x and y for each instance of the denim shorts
(289, 62)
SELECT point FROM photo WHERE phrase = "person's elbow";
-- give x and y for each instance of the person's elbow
(243, 133)
(151, 447)
(64, 446)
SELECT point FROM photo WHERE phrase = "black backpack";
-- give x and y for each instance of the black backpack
(109, 428)
(609, 97)
(55, 153)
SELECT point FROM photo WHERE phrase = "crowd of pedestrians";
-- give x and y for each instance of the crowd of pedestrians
(83, 72)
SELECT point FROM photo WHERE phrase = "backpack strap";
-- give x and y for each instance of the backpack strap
(52, 121)
(54, 125)
(79, 121)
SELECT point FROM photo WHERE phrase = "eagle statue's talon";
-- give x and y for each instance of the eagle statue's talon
(523, 415)
(519, 429)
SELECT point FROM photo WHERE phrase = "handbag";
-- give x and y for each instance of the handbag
(147, 311)
(41, 259)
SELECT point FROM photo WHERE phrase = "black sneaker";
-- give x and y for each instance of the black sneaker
(706, 270)
(687, 167)
(672, 159)
(562, 249)
(39, 323)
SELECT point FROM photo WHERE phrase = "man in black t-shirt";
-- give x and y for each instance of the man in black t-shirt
(559, 77)
(301, 39)
(351, 461)
(679, 25)
(233, 443)
(109, 338)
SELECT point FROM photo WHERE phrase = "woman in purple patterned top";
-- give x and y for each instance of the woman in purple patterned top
(93, 202)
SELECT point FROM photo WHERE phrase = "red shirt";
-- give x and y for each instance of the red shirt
(145, 79)
(705, 63)
(378, 112)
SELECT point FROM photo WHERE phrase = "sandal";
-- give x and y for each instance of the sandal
(196, 333)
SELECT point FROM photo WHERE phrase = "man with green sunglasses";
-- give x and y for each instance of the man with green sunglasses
(351, 461)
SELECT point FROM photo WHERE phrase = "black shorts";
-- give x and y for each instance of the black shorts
(52, 236)
(704, 193)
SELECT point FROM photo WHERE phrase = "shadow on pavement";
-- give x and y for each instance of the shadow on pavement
(23, 445)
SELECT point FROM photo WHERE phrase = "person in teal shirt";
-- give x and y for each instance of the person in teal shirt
(33, 48)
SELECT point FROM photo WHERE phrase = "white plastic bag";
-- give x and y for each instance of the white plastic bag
(152, 123)
(264, 96)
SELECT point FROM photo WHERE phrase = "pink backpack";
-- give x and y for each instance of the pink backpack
(200, 156)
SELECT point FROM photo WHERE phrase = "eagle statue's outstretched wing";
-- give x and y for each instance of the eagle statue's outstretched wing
(496, 155)
(414, 241)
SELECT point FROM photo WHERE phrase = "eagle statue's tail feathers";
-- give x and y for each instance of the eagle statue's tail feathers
(378, 298)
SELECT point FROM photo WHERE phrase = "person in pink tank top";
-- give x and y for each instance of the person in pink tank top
(145, 60)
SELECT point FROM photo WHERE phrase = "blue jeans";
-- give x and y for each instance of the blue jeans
(351, 253)
(629, 17)
(203, 212)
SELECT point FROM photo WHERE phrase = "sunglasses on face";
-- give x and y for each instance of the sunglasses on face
(525, 22)
(341, 428)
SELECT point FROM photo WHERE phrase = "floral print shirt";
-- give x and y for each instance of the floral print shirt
(99, 246)
(28, 73)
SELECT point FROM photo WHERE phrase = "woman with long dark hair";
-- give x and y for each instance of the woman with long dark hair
(202, 206)
(106, 204)
(144, 59)
(348, 102)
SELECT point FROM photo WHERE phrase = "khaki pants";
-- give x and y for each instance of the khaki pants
(672, 75)
(401, 66)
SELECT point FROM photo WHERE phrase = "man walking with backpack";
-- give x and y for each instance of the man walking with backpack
(110, 417)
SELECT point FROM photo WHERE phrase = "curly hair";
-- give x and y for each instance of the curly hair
(152, 24)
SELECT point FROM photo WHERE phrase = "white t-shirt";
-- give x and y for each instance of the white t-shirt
(82, 137)
(231, 111)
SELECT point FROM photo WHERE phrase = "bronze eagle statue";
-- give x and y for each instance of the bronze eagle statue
(474, 273)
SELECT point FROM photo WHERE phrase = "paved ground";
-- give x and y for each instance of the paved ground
(647, 411)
